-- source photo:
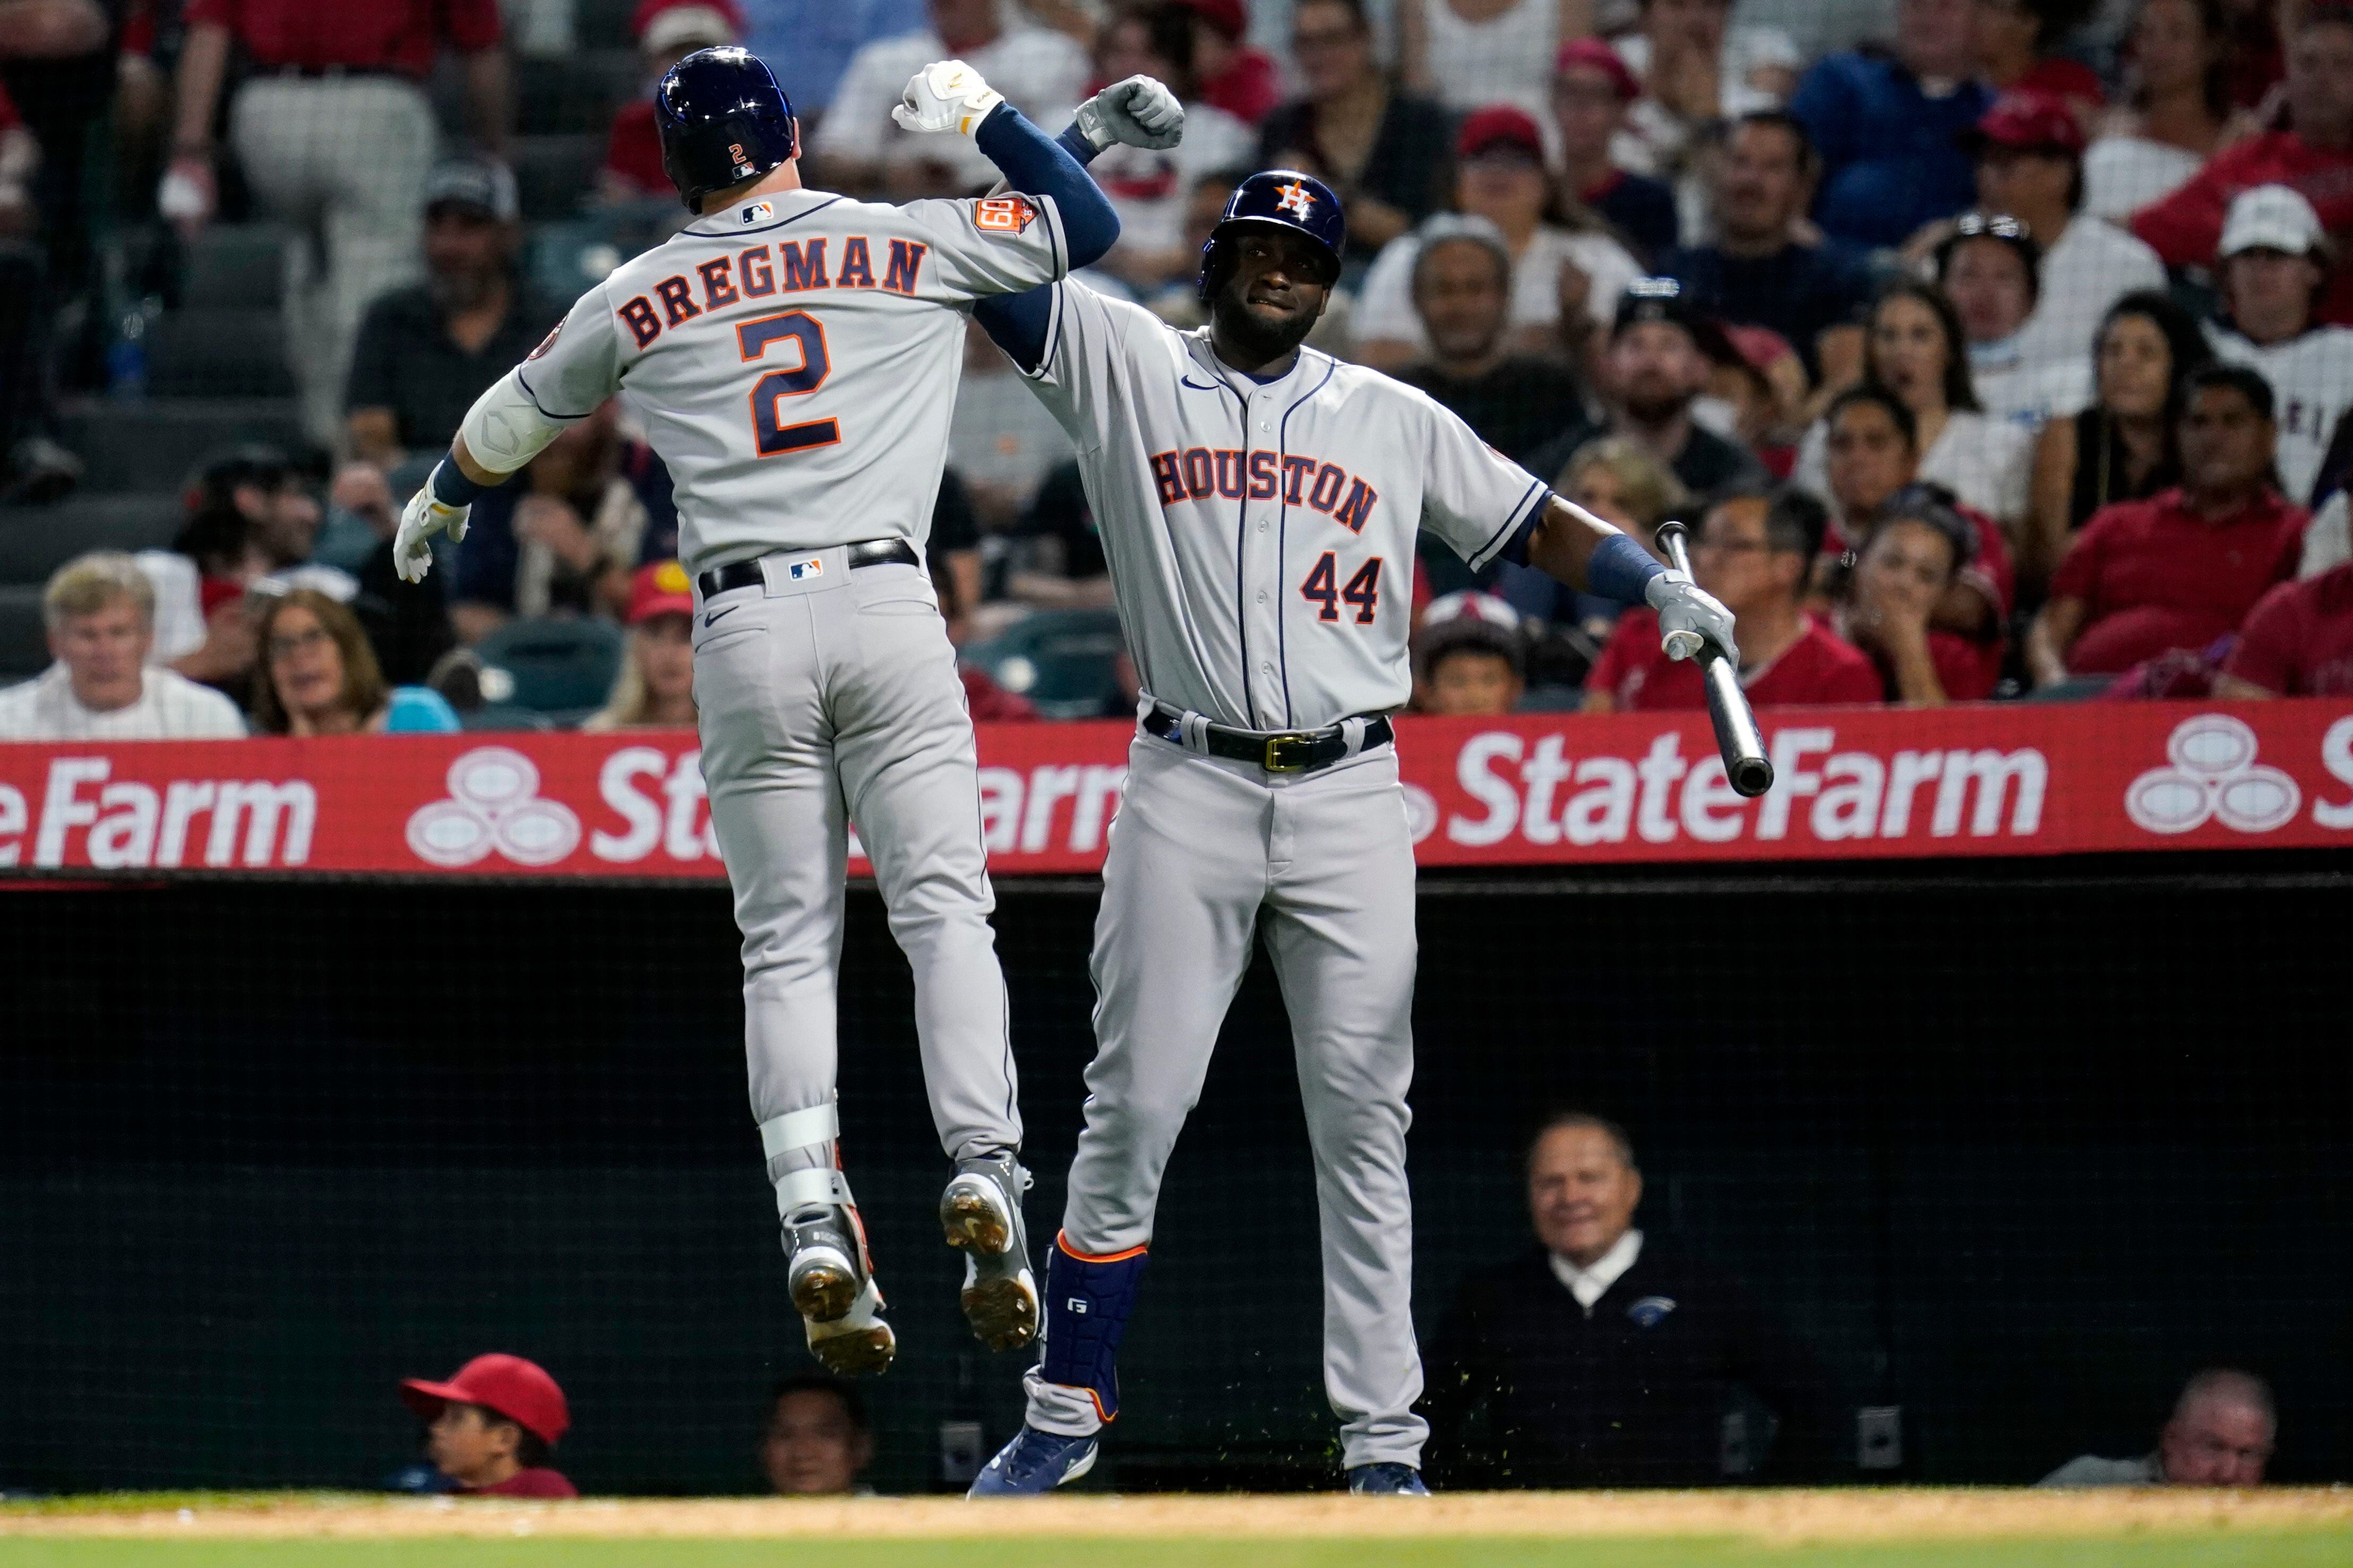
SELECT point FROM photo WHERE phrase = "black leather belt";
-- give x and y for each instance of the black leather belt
(1292, 751)
(747, 573)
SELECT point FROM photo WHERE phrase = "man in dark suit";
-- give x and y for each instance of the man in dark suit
(1602, 1358)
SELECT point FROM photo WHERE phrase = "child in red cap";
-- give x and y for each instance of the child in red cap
(493, 1428)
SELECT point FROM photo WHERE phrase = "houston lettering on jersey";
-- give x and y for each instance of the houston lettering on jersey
(756, 272)
(1198, 473)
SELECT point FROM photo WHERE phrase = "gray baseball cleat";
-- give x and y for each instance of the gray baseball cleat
(832, 1285)
(981, 1213)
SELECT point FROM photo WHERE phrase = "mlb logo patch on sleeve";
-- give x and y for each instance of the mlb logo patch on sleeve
(1004, 215)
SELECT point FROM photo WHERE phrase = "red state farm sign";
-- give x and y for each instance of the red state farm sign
(1536, 789)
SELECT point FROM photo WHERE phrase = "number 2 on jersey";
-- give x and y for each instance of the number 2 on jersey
(1364, 589)
(770, 434)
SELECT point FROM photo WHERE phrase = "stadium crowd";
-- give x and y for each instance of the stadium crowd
(1992, 348)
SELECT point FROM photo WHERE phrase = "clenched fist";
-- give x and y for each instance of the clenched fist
(1137, 112)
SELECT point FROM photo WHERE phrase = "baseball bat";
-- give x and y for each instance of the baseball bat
(1743, 748)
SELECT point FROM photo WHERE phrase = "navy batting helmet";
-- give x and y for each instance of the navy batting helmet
(1278, 198)
(723, 121)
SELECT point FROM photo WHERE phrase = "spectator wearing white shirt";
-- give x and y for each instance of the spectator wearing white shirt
(1697, 71)
(1470, 53)
(858, 148)
(2177, 113)
(2030, 164)
(1149, 188)
(1500, 176)
(101, 612)
(2272, 265)
(1914, 350)
(1988, 269)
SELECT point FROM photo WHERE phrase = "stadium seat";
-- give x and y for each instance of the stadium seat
(156, 443)
(562, 667)
(24, 641)
(212, 352)
(1060, 660)
(238, 266)
(36, 541)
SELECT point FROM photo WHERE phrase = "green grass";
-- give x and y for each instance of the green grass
(2234, 1550)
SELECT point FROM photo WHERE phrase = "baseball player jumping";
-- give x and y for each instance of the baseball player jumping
(1259, 503)
(793, 355)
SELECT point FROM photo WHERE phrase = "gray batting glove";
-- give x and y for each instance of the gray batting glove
(412, 546)
(1137, 112)
(1687, 616)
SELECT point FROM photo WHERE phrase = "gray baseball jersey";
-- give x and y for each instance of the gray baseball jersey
(795, 359)
(1261, 537)
(1260, 540)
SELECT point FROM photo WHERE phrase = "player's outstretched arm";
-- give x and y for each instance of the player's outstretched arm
(949, 96)
(508, 430)
(1137, 112)
(1571, 544)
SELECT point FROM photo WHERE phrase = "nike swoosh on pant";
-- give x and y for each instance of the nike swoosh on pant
(711, 617)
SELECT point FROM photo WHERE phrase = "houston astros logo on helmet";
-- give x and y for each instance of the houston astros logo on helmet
(1294, 199)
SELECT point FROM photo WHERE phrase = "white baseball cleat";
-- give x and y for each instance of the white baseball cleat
(832, 1285)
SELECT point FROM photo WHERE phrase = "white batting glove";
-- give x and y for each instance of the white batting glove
(1137, 112)
(1687, 616)
(947, 95)
(411, 545)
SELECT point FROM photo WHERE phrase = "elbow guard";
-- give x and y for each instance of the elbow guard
(506, 428)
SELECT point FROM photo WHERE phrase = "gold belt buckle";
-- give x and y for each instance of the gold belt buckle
(1276, 759)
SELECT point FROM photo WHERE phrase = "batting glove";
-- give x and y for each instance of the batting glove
(411, 545)
(1137, 112)
(1688, 616)
(948, 95)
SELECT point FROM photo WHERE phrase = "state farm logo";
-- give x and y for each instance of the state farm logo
(493, 804)
(2214, 775)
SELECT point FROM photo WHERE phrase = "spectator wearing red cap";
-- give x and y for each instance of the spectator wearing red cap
(1383, 152)
(1230, 74)
(1592, 91)
(1758, 375)
(2181, 569)
(2315, 158)
(1567, 276)
(1753, 552)
(1757, 271)
(1698, 72)
(2017, 42)
(1467, 53)
(2030, 164)
(2298, 642)
(2275, 264)
(334, 132)
(655, 687)
(493, 1428)
(1150, 187)
(2177, 111)
(667, 32)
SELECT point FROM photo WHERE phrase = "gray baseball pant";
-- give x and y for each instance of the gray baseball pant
(1202, 851)
(823, 700)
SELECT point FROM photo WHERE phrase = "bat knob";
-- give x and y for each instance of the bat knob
(1684, 645)
(1751, 776)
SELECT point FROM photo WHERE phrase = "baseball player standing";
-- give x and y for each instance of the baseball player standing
(794, 355)
(1258, 504)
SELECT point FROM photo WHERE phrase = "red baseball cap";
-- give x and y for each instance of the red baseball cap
(1498, 125)
(1230, 17)
(517, 1389)
(2027, 123)
(660, 589)
(1600, 56)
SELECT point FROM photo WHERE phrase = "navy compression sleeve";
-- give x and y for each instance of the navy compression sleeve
(1018, 322)
(1038, 165)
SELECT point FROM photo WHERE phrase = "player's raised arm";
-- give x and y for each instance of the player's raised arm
(949, 96)
(1139, 112)
(1571, 544)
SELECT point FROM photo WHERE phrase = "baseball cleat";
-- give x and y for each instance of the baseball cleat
(832, 1286)
(981, 1215)
(1385, 1481)
(858, 1342)
(1033, 1463)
